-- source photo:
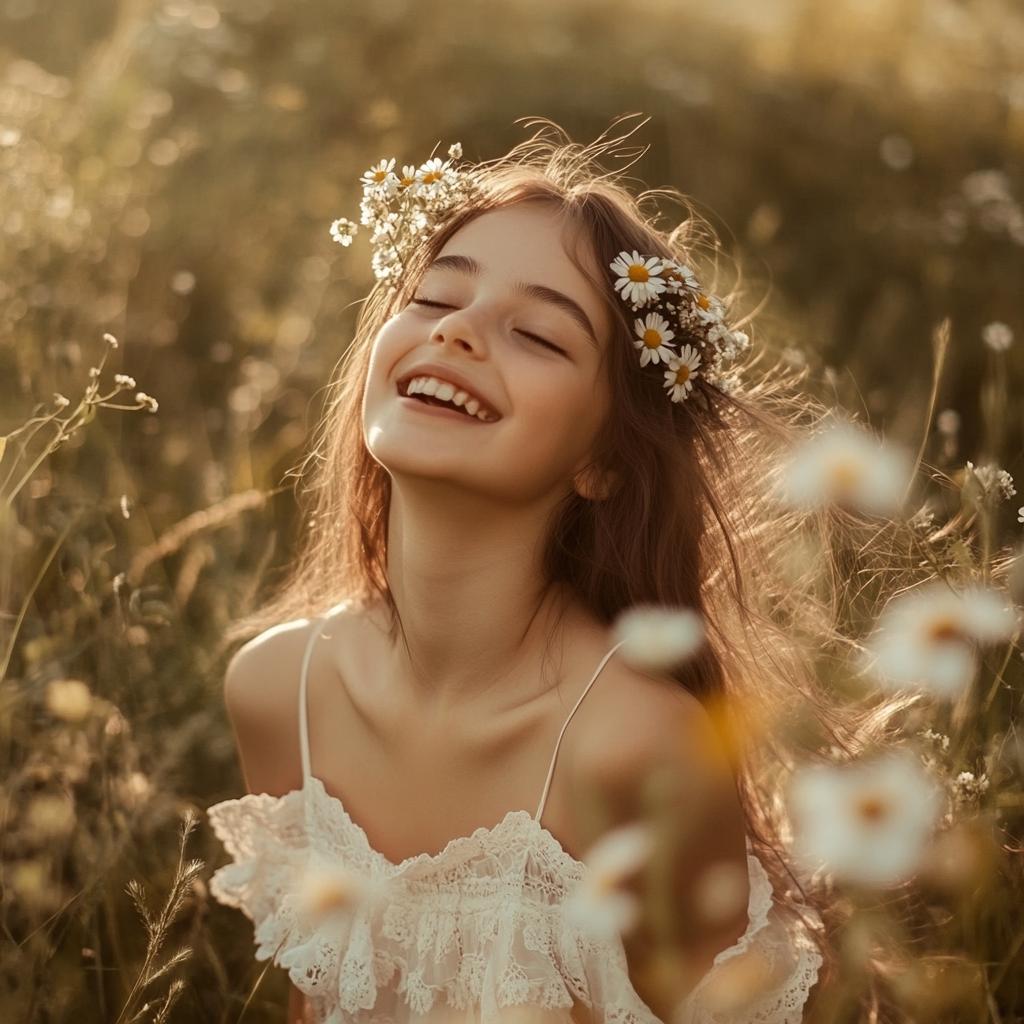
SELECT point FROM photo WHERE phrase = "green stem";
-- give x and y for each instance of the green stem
(28, 597)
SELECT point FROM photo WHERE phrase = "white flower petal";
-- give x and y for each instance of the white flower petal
(658, 639)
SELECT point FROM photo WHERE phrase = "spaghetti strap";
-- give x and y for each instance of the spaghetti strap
(307, 769)
(558, 742)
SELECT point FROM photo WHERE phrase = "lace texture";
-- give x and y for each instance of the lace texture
(471, 931)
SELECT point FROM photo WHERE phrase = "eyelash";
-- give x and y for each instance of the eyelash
(533, 337)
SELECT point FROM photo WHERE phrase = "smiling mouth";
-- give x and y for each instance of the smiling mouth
(436, 391)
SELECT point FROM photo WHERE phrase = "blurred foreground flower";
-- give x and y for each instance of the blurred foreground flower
(328, 888)
(846, 465)
(599, 905)
(865, 823)
(658, 639)
(68, 699)
(997, 336)
(927, 638)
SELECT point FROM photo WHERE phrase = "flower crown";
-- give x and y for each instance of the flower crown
(677, 301)
(403, 211)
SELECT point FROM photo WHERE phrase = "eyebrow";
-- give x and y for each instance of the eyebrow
(469, 266)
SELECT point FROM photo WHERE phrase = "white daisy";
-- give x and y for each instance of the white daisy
(381, 181)
(433, 172)
(600, 905)
(658, 639)
(638, 278)
(846, 465)
(651, 334)
(708, 309)
(343, 230)
(927, 638)
(408, 178)
(865, 823)
(679, 375)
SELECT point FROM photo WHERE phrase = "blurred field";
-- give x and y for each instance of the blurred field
(168, 174)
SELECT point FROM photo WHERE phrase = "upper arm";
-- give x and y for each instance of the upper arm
(658, 757)
(261, 690)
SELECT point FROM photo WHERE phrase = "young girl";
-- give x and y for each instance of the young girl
(532, 435)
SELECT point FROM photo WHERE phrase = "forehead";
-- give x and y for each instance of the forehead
(529, 243)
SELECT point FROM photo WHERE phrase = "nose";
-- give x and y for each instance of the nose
(458, 330)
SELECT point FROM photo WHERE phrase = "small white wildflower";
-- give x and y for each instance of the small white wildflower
(846, 465)
(455, 151)
(94, 372)
(967, 788)
(110, 340)
(600, 905)
(343, 231)
(680, 373)
(433, 172)
(865, 823)
(995, 483)
(147, 401)
(124, 380)
(60, 401)
(997, 336)
(380, 182)
(927, 638)
(658, 639)
(937, 738)
(1020, 514)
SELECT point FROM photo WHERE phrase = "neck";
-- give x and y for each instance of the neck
(466, 577)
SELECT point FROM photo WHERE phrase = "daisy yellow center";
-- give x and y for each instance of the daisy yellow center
(652, 338)
(380, 175)
(872, 809)
(844, 477)
(702, 301)
(639, 273)
(945, 630)
(431, 176)
(683, 374)
(406, 182)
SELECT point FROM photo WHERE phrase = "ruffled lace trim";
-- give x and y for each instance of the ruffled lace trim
(476, 928)
(766, 977)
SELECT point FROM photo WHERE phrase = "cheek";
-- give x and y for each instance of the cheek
(563, 414)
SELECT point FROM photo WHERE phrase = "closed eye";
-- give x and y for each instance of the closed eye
(541, 341)
(430, 303)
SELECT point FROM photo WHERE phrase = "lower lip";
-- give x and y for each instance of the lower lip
(440, 411)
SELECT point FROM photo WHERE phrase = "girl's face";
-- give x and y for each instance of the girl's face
(491, 378)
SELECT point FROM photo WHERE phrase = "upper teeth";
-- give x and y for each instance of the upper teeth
(448, 393)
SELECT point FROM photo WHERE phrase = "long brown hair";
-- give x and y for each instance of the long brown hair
(691, 520)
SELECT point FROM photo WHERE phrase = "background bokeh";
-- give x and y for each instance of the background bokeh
(169, 172)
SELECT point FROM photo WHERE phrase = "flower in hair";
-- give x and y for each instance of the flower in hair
(401, 212)
(381, 181)
(639, 278)
(681, 310)
(679, 375)
(651, 335)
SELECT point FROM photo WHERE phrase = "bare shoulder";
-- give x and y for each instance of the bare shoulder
(261, 690)
(638, 723)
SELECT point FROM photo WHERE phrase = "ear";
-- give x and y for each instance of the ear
(594, 483)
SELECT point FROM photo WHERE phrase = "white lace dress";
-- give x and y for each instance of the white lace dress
(476, 929)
